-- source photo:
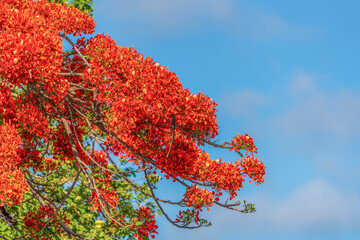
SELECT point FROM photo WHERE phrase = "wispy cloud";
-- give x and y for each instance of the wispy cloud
(161, 16)
(241, 103)
(176, 17)
(316, 110)
(316, 125)
(317, 207)
(302, 82)
(247, 22)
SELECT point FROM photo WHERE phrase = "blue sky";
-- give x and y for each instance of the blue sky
(287, 73)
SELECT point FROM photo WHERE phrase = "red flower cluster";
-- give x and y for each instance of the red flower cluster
(110, 196)
(12, 181)
(242, 142)
(30, 48)
(34, 221)
(198, 198)
(106, 192)
(253, 168)
(143, 94)
(7, 106)
(148, 226)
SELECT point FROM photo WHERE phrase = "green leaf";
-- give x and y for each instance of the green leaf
(139, 223)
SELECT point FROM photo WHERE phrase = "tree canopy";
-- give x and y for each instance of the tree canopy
(87, 134)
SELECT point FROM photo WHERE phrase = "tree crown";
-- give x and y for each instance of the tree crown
(86, 134)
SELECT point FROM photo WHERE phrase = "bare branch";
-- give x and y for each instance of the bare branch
(72, 74)
(76, 49)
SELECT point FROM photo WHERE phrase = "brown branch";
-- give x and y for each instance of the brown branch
(76, 49)
(123, 175)
(93, 182)
(62, 202)
(72, 74)
(160, 207)
(8, 218)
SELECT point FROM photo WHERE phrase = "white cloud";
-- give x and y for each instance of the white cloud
(317, 207)
(322, 126)
(316, 111)
(261, 25)
(241, 103)
(302, 82)
(163, 17)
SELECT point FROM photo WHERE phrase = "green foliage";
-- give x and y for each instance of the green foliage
(85, 6)
(185, 218)
(83, 219)
(249, 207)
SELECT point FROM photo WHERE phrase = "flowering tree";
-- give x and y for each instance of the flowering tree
(86, 134)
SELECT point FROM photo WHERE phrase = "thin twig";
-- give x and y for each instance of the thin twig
(76, 49)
